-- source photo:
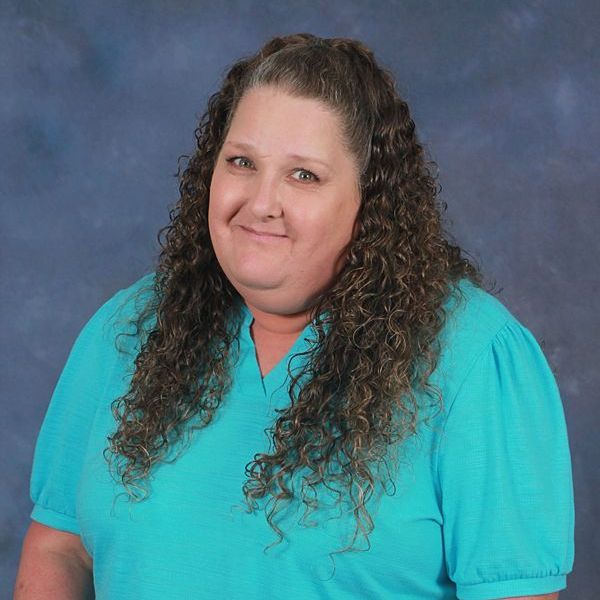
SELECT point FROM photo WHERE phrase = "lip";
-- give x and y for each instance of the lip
(261, 234)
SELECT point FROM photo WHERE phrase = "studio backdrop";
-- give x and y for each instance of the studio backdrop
(100, 99)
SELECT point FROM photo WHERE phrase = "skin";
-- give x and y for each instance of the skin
(266, 189)
(53, 564)
(553, 596)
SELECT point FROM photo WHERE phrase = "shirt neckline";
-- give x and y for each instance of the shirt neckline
(277, 377)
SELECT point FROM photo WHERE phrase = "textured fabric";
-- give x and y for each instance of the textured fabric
(482, 506)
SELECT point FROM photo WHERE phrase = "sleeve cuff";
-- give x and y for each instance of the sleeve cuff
(511, 587)
(51, 518)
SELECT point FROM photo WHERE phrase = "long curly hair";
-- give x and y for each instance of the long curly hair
(376, 326)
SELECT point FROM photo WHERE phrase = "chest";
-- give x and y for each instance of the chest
(271, 351)
(182, 540)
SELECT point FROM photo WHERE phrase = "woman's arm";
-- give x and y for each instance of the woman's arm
(54, 564)
(552, 596)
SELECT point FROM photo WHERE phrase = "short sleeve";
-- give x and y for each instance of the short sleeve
(62, 439)
(504, 469)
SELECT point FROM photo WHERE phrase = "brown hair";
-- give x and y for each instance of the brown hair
(378, 324)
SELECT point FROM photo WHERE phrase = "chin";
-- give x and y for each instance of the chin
(256, 284)
(254, 279)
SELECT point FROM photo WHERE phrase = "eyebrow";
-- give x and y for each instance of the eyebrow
(293, 156)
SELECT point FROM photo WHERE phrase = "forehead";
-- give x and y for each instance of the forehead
(270, 115)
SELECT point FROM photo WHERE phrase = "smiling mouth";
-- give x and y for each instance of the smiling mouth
(261, 235)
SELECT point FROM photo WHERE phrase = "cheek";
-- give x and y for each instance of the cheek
(218, 205)
(330, 229)
(216, 215)
(212, 216)
(322, 247)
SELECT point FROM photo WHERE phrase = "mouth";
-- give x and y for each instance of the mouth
(261, 235)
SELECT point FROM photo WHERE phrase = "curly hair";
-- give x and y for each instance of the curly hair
(377, 325)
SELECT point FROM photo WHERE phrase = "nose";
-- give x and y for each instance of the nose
(264, 197)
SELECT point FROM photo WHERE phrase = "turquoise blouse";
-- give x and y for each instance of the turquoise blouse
(483, 506)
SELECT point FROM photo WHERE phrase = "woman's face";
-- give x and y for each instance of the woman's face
(283, 171)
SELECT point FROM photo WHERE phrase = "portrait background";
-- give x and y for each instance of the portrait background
(99, 99)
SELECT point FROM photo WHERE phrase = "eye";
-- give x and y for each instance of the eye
(234, 158)
(314, 177)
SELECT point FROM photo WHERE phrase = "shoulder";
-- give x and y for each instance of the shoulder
(129, 301)
(473, 314)
(117, 314)
(475, 319)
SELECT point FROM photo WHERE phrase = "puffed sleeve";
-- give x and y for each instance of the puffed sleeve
(504, 469)
(62, 439)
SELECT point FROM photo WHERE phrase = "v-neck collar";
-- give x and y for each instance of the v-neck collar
(277, 377)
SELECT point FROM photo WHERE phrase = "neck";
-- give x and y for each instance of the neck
(279, 326)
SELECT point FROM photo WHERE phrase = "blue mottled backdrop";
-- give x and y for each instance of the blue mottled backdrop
(98, 100)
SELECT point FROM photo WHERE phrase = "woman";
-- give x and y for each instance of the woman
(313, 396)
